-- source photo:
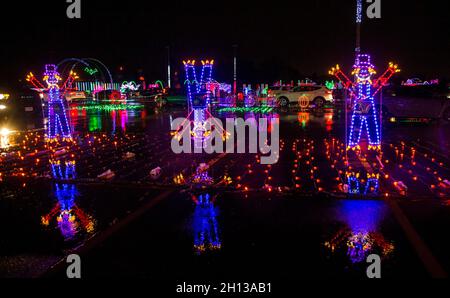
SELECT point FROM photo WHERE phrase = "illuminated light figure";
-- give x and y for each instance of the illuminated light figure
(206, 232)
(364, 90)
(58, 124)
(201, 176)
(65, 210)
(199, 97)
(370, 186)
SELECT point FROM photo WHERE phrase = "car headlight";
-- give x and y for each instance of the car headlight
(4, 132)
(4, 96)
(2, 107)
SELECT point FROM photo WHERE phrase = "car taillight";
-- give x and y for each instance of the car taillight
(329, 92)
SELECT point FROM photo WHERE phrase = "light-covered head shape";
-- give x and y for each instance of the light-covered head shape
(51, 75)
(363, 68)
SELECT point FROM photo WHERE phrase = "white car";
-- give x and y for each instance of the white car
(305, 96)
(75, 95)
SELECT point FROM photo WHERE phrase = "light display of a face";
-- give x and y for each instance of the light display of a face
(51, 76)
(363, 68)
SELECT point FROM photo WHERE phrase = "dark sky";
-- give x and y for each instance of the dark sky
(277, 39)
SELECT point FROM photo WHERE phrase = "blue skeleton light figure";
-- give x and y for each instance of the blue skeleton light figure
(58, 123)
(364, 89)
(199, 97)
(206, 231)
(65, 210)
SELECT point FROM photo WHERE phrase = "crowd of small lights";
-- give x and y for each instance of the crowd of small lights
(399, 169)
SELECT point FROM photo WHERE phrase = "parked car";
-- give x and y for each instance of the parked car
(279, 89)
(313, 94)
(416, 102)
(75, 95)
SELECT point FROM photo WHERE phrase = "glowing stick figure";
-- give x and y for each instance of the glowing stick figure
(364, 90)
(58, 124)
(65, 211)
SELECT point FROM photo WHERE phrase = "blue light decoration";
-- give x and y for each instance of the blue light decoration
(65, 211)
(199, 96)
(368, 186)
(250, 98)
(358, 11)
(364, 114)
(363, 90)
(361, 234)
(201, 176)
(206, 231)
(58, 123)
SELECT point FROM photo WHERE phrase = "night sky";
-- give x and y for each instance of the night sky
(277, 40)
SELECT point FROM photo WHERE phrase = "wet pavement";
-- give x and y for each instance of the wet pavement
(310, 215)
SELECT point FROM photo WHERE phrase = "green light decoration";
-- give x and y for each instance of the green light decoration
(261, 110)
(95, 123)
(110, 107)
(329, 84)
(91, 71)
(190, 83)
(160, 83)
(265, 91)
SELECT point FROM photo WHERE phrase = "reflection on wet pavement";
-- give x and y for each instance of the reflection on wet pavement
(69, 217)
(331, 200)
(361, 234)
(206, 230)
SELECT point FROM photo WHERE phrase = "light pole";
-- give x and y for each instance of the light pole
(169, 84)
(234, 69)
(358, 26)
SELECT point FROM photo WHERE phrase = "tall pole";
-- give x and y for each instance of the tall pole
(169, 84)
(358, 26)
(234, 70)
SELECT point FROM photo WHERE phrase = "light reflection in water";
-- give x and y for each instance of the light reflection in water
(5, 138)
(361, 236)
(113, 121)
(369, 186)
(69, 217)
(206, 231)
(322, 118)
(123, 120)
(303, 118)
